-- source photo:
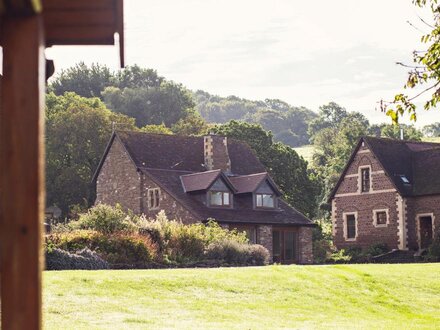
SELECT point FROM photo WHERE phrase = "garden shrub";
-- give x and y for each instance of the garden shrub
(323, 247)
(57, 259)
(236, 253)
(433, 252)
(107, 220)
(117, 248)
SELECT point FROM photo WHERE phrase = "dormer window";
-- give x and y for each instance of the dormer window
(265, 200)
(219, 198)
(365, 179)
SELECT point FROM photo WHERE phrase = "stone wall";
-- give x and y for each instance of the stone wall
(216, 153)
(173, 209)
(264, 237)
(118, 181)
(305, 241)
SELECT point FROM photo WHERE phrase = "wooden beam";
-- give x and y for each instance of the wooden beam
(21, 171)
(20, 7)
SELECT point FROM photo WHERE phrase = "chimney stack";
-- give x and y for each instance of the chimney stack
(216, 153)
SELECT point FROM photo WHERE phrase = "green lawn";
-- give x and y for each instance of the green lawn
(273, 297)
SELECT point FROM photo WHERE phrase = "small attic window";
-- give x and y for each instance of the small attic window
(404, 179)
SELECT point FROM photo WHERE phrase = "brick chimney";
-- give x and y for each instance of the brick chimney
(216, 153)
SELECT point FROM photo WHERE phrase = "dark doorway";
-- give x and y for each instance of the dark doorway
(425, 227)
(285, 246)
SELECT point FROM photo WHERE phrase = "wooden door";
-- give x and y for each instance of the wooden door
(425, 224)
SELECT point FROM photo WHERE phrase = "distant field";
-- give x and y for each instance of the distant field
(306, 152)
(432, 139)
(273, 297)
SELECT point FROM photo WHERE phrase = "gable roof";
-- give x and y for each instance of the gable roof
(203, 180)
(183, 153)
(250, 183)
(418, 162)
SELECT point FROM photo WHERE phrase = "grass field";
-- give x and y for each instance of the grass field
(273, 297)
(306, 152)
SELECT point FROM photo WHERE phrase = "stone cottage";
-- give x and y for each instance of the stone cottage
(194, 179)
(388, 193)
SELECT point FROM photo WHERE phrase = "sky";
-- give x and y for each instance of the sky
(306, 53)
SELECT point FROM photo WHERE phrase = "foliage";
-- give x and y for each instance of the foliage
(167, 103)
(57, 259)
(424, 73)
(192, 124)
(288, 124)
(322, 241)
(410, 133)
(156, 129)
(356, 254)
(235, 253)
(179, 243)
(106, 220)
(116, 248)
(432, 130)
(288, 170)
(83, 80)
(433, 253)
(77, 131)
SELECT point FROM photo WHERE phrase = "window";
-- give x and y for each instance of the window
(219, 198)
(350, 220)
(265, 200)
(404, 179)
(251, 233)
(381, 218)
(365, 179)
(153, 198)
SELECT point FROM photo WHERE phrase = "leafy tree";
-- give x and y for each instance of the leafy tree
(136, 77)
(330, 115)
(424, 73)
(432, 130)
(334, 143)
(166, 104)
(157, 129)
(288, 170)
(83, 80)
(192, 124)
(409, 132)
(77, 132)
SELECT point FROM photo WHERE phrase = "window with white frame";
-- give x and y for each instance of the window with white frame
(350, 226)
(380, 218)
(219, 198)
(365, 179)
(153, 195)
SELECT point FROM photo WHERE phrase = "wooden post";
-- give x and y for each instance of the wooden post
(21, 171)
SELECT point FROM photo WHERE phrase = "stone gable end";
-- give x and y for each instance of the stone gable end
(118, 180)
(350, 200)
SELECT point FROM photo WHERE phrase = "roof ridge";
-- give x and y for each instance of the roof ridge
(204, 172)
(399, 141)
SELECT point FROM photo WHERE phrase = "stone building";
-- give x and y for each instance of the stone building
(194, 179)
(388, 193)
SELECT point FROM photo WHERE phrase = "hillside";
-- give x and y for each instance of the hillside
(289, 124)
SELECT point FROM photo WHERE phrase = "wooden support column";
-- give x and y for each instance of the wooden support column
(21, 171)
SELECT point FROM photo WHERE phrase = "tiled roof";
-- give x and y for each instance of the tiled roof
(170, 181)
(176, 152)
(250, 183)
(202, 180)
(418, 162)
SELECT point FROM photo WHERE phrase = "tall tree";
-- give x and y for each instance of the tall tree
(77, 132)
(288, 170)
(83, 80)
